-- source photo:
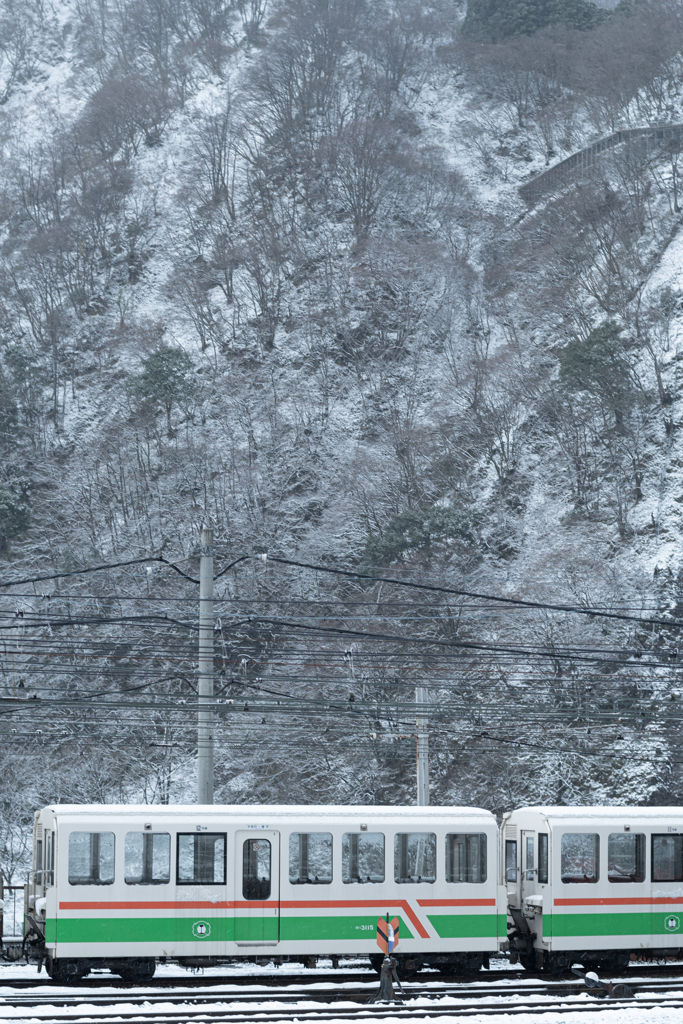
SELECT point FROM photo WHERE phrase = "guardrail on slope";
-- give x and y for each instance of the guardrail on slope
(574, 166)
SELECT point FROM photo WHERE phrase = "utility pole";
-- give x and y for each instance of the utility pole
(422, 748)
(205, 687)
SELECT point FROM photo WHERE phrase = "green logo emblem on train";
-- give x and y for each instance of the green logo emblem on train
(672, 923)
(201, 929)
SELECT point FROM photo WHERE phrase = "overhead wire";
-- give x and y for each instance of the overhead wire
(520, 602)
(320, 626)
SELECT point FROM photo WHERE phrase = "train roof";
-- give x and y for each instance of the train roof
(261, 812)
(605, 813)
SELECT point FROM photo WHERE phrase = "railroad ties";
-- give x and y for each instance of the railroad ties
(338, 1004)
(639, 142)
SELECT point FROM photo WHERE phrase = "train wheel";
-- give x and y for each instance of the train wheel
(615, 962)
(558, 963)
(528, 961)
(407, 967)
(462, 963)
(137, 972)
(65, 971)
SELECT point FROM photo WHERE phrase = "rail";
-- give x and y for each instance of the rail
(572, 167)
(419, 1002)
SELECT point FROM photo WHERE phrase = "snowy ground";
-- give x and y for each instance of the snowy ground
(86, 1011)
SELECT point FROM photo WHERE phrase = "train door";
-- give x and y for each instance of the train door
(529, 864)
(257, 887)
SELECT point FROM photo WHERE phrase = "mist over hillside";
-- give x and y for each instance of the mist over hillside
(266, 265)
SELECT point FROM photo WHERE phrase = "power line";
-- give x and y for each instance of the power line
(519, 602)
(99, 568)
(542, 606)
(456, 644)
(36, 620)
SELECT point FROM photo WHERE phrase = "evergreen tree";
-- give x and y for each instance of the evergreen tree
(498, 19)
(165, 379)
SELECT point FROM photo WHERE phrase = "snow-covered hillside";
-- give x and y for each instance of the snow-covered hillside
(268, 267)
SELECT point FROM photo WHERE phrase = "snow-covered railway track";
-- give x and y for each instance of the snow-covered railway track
(161, 981)
(444, 1008)
(299, 1005)
(283, 980)
(327, 995)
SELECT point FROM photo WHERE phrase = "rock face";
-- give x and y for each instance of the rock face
(268, 267)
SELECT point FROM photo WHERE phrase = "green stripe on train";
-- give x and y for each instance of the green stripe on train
(160, 929)
(215, 929)
(168, 930)
(647, 923)
(465, 926)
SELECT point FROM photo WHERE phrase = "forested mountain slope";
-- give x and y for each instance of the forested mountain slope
(267, 266)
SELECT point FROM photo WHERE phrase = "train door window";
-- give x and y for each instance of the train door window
(414, 857)
(542, 858)
(201, 858)
(147, 858)
(362, 857)
(256, 869)
(91, 858)
(39, 861)
(510, 860)
(310, 858)
(50, 859)
(529, 858)
(626, 857)
(580, 857)
(466, 857)
(667, 858)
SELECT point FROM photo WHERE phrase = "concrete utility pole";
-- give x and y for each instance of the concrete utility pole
(205, 687)
(422, 748)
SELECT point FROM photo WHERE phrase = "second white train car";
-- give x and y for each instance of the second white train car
(124, 886)
(593, 884)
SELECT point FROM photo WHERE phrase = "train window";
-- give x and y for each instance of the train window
(91, 858)
(147, 858)
(542, 858)
(256, 869)
(201, 858)
(362, 857)
(667, 858)
(510, 860)
(49, 876)
(580, 857)
(310, 858)
(626, 857)
(414, 857)
(466, 857)
(529, 865)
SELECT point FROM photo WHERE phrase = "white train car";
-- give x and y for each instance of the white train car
(122, 886)
(593, 884)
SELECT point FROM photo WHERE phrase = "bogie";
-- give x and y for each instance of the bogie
(137, 971)
(462, 964)
(65, 971)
